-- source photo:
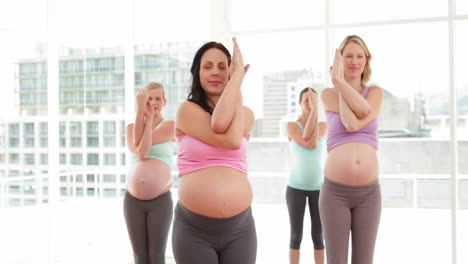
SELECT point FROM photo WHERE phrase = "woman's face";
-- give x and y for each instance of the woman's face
(156, 99)
(214, 73)
(354, 60)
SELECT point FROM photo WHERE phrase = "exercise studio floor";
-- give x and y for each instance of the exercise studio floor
(93, 231)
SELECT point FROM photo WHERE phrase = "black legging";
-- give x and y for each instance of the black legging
(199, 239)
(296, 201)
(148, 223)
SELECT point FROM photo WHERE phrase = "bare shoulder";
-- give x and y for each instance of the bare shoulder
(375, 89)
(330, 99)
(191, 111)
(328, 93)
(189, 106)
(248, 112)
(168, 123)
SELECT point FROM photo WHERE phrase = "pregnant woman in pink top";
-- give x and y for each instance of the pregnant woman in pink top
(350, 199)
(213, 220)
(148, 203)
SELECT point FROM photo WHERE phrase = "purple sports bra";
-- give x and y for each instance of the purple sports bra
(338, 135)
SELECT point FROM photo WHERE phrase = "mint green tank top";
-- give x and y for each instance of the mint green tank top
(307, 165)
(163, 151)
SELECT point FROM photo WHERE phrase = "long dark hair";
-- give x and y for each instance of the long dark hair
(197, 94)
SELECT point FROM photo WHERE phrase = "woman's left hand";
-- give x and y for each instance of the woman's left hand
(337, 74)
(237, 63)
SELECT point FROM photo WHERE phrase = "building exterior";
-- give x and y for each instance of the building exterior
(92, 143)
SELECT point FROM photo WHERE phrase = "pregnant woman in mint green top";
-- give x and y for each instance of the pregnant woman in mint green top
(306, 140)
(148, 203)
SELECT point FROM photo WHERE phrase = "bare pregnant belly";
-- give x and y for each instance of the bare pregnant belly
(148, 178)
(217, 192)
(353, 163)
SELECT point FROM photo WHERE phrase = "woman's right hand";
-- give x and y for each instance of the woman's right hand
(312, 99)
(141, 100)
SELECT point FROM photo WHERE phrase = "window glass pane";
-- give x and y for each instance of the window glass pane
(63, 158)
(461, 84)
(275, 77)
(276, 14)
(28, 135)
(168, 64)
(29, 159)
(379, 10)
(13, 135)
(76, 159)
(92, 134)
(152, 20)
(462, 7)
(109, 159)
(35, 11)
(81, 25)
(93, 159)
(43, 134)
(23, 67)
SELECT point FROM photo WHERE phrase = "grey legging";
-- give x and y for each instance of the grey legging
(199, 239)
(148, 223)
(346, 208)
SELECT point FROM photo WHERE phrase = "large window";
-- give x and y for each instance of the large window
(461, 85)
(102, 52)
(276, 14)
(23, 80)
(370, 10)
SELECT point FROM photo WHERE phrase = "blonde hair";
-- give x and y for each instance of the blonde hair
(155, 85)
(366, 74)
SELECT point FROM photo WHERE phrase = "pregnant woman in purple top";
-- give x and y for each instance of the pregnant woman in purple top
(350, 199)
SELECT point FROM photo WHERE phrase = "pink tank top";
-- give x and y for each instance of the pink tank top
(196, 155)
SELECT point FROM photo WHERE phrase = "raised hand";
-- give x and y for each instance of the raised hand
(141, 100)
(237, 63)
(312, 99)
(149, 113)
(337, 73)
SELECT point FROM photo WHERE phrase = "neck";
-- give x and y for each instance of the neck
(213, 99)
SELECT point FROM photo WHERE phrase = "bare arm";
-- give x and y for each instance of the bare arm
(141, 150)
(194, 121)
(330, 100)
(226, 107)
(322, 130)
(350, 121)
(295, 133)
(138, 127)
(311, 125)
(249, 121)
(357, 104)
(164, 133)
